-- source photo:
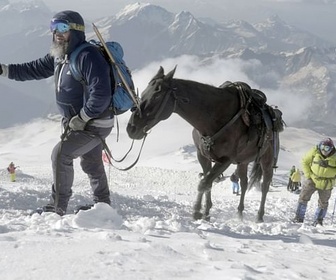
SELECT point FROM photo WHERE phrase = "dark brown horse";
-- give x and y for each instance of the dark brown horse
(224, 132)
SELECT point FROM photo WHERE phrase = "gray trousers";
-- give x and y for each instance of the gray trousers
(307, 191)
(88, 146)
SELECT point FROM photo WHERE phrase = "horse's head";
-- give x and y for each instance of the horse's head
(156, 104)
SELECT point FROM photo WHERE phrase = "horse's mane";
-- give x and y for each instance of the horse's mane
(192, 83)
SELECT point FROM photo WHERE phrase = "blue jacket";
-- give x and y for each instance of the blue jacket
(70, 96)
(91, 100)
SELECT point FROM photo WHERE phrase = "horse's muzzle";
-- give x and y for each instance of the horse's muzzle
(135, 133)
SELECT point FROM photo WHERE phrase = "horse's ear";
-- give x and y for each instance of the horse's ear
(159, 74)
(171, 73)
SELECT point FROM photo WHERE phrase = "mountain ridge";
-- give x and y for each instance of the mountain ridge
(286, 57)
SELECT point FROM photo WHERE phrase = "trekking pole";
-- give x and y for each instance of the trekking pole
(109, 170)
(333, 213)
(130, 91)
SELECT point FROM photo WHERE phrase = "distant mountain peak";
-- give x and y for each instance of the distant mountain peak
(185, 19)
(184, 14)
(133, 9)
(275, 18)
(143, 11)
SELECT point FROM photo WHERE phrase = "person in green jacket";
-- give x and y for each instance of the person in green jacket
(319, 168)
(296, 180)
(290, 183)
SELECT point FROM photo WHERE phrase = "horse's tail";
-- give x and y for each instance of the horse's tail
(255, 176)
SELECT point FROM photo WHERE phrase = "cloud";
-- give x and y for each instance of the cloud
(212, 71)
(216, 71)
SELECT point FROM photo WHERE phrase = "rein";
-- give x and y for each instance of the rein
(109, 155)
(159, 111)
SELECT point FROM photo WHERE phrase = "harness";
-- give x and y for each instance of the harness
(249, 97)
(324, 164)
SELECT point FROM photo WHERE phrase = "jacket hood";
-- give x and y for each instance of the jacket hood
(76, 37)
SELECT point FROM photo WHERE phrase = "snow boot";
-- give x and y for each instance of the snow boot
(319, 216)
(83, 207)
(50, 208)
(300, 213)
(317, 222)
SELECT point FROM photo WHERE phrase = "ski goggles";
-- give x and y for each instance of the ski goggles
(325, 148)
(63, 26)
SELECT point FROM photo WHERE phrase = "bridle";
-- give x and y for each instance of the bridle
(170, 92)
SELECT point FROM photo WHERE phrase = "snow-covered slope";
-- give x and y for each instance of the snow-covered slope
(148, 233)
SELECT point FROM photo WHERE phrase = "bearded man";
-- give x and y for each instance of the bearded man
(84, 106)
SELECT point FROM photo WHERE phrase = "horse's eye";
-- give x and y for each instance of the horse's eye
(157, 88)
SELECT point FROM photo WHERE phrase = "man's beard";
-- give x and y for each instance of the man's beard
(58, 49)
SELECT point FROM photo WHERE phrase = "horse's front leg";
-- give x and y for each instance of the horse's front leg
(197, 215)
(209, 174)
(206, 167)
(208, 205)
(204, 187)
(241, 207)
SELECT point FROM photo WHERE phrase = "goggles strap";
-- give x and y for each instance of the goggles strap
(76, 26)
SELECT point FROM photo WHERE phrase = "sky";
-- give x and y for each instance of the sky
(148, 232)
(305, 14)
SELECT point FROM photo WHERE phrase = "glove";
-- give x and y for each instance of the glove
(76, 123)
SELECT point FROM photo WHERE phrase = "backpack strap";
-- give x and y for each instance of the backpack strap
(73, 62)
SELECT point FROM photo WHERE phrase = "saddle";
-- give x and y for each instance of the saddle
(258, 112)
(258, 115)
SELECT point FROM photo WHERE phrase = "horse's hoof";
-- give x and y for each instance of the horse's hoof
(197, 216)
(260, 220)
(207, 218)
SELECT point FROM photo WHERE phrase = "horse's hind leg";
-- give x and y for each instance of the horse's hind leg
(242, 174)
(267, 178)
(266, 167)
